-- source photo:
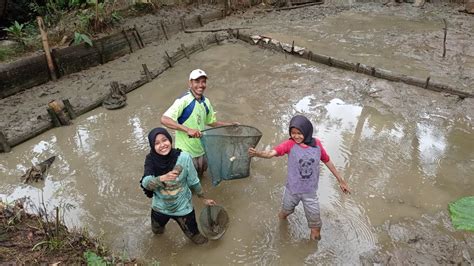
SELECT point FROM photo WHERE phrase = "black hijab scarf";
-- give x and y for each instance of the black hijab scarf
(156, 164)
(304, 125)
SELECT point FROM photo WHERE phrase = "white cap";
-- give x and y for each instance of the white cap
(197, 73)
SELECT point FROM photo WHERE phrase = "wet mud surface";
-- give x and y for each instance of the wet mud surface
(405, 151)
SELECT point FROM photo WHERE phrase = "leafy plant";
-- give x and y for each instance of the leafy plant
(16, 31)
(94, 259)
(80, 38)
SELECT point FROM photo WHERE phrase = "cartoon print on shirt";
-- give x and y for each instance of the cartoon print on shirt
(306, 167)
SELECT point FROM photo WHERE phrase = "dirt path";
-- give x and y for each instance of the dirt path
(411, 44)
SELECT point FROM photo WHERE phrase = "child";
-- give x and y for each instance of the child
(169, 178)
(304, 153)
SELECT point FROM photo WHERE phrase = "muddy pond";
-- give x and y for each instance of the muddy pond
(405, 152)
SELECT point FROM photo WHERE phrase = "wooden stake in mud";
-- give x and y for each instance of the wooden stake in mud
(163, 27)
(427, 83)
(184, 51)
(135, 36)
(58, 110)
(200, 20)
(69, 109)
(54, 117)
(4, 143)
(444, 39)
(169, 59)
(147, 72)
(44, 38)
(128, 40)
(226, 8)
(201, 42)
(183, 24)
(139, 36)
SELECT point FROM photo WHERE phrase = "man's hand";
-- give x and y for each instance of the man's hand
(193, 133)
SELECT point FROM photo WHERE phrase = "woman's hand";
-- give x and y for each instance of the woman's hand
(209, 202)
(170, 176)
(344, 187)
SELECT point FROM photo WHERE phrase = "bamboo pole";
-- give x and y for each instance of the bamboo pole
(215, 30)
(163, 27)
(128, 40)
(4, 143)
(444, 39)
(44, 39)
(184, 50)
(147, 72)
(69, 109)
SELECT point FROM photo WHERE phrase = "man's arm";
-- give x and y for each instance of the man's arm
(170, 123)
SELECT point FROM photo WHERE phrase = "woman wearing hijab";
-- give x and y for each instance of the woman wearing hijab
(304, 153)
(169, 178)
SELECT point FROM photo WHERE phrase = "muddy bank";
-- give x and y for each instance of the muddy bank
(40, 238)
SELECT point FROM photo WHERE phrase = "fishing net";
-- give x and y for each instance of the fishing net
(462, 213)
(227, 151)
(213, 221)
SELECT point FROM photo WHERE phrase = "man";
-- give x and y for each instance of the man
(189, 115)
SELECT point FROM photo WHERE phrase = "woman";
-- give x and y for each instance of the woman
(169, 178)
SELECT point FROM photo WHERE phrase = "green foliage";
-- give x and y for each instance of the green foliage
(94, 259)
(80, 38)
(6, 53)
(52, 244)
(16, 31)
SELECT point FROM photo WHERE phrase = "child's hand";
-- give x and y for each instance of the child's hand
(344, 187)
(252, 152)
(209, 202)
(170, 176)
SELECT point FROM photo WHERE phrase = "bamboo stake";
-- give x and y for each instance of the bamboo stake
(201, 42)
(200, 20)
(163, 27)
(54, 117)
(184, 51)
(427, 82)
(147, 72)
(215, 30)
(183, 24)
(69, 109)
(139, 36)
(4, 143)
(44, 38)
(169, 59)
(444, 39)
(128, 40)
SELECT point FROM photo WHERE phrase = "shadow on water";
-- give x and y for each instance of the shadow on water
(404, 160)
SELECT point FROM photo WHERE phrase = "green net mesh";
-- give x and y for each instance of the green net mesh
(227, 151)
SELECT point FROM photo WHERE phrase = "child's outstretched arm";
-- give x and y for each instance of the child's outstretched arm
(342, 183)
(262, 154)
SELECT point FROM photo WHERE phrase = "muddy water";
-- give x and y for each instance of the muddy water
(403, 163)
(401, 39)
